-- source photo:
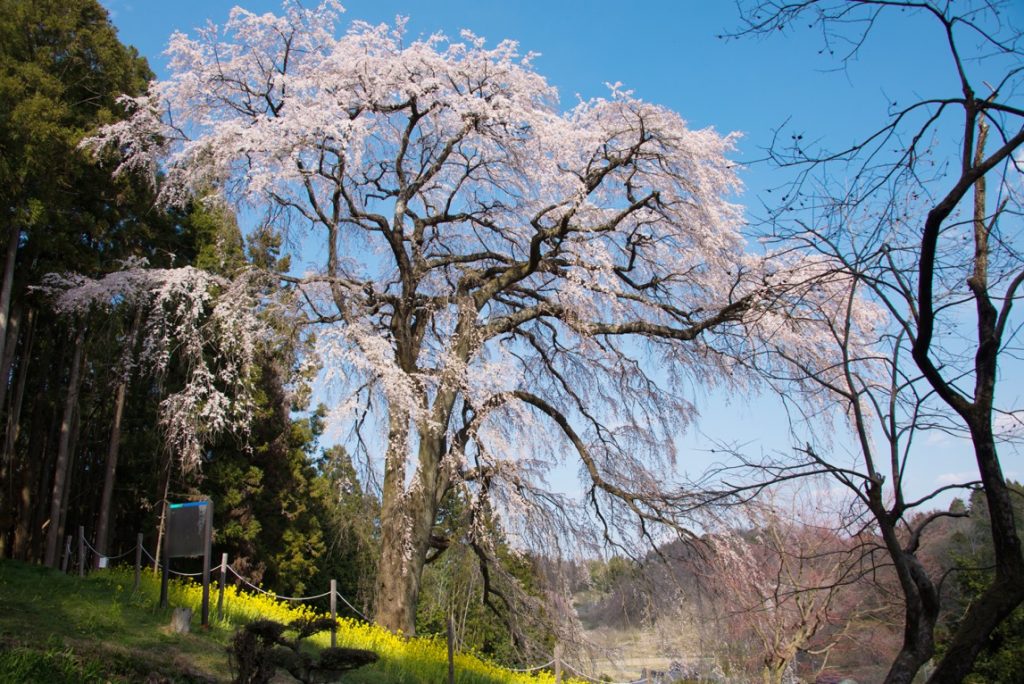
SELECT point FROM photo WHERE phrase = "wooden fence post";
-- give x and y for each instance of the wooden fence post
(451, 649)
(67, 554)
(334, 613)
(223, 581)
(81, 550)
(165, 571)
(558, 663)
(138, 560)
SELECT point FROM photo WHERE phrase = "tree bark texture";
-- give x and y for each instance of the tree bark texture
(110, 470)
(113, 451)
(13, 237)
(22, 471)
(408, 513)
(60, 473)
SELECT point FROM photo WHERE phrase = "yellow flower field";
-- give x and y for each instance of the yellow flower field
(413, 660)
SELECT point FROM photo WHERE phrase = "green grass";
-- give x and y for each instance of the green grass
(54, 627)
(59, 628)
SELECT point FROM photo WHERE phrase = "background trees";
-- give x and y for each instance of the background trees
(970, 551)
(62, 72)
(783, 587)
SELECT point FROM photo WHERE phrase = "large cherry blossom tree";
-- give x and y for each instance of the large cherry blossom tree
(501, 284)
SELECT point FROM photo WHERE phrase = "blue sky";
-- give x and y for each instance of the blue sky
(666, 51)
(669, 53)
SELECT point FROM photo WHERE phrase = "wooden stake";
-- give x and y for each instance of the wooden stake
(223, 581)
(81, 550)
(138, 560)
(451, 650)
(334, 613)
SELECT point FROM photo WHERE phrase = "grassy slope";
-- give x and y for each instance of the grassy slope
(56, 628)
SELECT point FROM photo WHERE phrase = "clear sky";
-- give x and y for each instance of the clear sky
(669, 53)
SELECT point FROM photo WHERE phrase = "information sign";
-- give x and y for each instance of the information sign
(187, 529)
(189, 533)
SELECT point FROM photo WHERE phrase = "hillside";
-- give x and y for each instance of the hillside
(58, 629)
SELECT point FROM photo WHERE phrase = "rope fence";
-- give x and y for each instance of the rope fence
(532, 669)
(141, 551)
(270, 593)
(152, 559)
(103, 555)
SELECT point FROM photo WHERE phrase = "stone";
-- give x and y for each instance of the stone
(181, 620)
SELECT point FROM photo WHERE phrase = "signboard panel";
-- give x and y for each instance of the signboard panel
(187, 529)
(189, 533)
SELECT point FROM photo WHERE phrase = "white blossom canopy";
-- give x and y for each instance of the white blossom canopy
(503, 286)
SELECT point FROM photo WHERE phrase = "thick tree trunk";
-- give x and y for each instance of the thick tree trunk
(408, 513)
(113, 451)
(8, 500)
(6, 468)
(72, 450)
(407, 517)
(10, 348)
(403, 550)
(60, 473)
(40, 452)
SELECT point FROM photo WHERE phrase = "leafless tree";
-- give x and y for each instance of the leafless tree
(931, 236)
(784, 583)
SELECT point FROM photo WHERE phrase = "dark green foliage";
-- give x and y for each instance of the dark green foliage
(261, 647)
(1002, 657)
(221, 246)
(497, 617)
(62, 69)
(350, 523)
(267, 512)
